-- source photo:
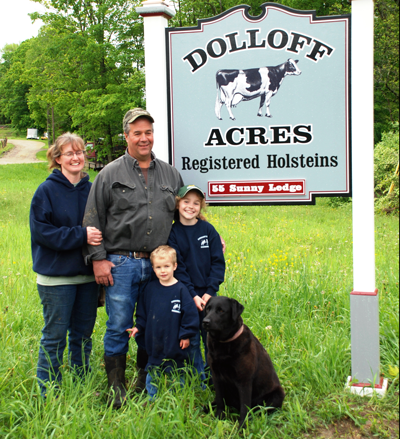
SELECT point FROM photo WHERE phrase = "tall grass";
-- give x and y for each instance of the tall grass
(291, 267)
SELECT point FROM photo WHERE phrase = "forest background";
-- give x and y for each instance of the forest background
(86, 68)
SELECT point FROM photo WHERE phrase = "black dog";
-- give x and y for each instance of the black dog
(243, 374)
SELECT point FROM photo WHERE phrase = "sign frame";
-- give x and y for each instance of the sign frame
(314, 19)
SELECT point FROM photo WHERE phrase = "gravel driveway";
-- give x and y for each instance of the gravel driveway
(24, 151)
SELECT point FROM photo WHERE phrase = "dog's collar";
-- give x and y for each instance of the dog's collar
(238, 334)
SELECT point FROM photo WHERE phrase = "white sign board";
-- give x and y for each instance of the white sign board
(259, 107)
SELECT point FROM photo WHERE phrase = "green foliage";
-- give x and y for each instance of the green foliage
(339, 201)
(13, 89)
(82, 73)
(386, 157)
(386, 65)
(189, 11)
(85, 69)
(322, 7)
(95, 53)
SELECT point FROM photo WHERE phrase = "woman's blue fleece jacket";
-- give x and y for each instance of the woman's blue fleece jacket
(57, 235)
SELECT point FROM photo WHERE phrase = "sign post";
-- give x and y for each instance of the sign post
(155, 15)
(364, 299)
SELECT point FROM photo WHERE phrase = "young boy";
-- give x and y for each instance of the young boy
(167, 316)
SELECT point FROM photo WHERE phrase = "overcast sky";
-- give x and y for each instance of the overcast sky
(15, 23)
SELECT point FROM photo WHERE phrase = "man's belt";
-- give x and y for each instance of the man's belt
(135, 255)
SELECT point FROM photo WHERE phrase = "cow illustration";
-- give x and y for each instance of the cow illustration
(176, 306)
(234, 86)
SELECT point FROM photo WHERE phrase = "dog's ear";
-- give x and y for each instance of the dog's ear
(237, 309)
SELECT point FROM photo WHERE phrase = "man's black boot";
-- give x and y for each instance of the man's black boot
(115, 368)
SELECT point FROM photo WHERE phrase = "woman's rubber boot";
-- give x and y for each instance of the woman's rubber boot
(115, 368)
(141, 363)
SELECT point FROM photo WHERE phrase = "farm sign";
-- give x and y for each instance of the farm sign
(259, 107)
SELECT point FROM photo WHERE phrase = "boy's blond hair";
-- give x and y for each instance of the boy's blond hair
(163, 252)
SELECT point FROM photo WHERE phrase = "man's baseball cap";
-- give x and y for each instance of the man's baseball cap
(190, 187)
(135, 113)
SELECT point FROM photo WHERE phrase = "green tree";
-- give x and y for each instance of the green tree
(386, 157)
(97, 57)
(13, 88)
(386, 65)
(189, 11)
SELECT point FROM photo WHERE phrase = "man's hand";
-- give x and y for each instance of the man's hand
(94, 236)
(102, 272)
(184, 344)
(199, 302)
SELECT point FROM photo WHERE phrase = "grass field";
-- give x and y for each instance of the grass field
(291, 267)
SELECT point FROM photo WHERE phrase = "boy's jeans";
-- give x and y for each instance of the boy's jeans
(153, 378)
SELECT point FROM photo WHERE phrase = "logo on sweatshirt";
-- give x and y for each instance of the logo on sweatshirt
(203, 241)
(176, 306)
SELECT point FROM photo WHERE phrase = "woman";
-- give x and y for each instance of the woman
(66, 286)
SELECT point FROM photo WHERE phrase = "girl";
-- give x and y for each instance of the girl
(201, 263)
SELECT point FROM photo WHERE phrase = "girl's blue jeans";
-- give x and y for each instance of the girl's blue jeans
(194, 351)
(67, 310)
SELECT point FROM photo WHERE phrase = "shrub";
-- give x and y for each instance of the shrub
(336, 202)
(386, 157)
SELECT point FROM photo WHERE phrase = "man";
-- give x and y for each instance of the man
(132, 202)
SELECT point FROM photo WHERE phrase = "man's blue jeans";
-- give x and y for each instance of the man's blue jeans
(67, 309)
(130, 278)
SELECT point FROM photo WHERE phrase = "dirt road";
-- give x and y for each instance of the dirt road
(24, 151)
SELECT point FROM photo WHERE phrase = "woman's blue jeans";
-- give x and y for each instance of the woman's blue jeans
(67, 309)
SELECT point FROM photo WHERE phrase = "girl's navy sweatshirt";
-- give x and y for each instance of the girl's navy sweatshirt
(57, 235)
(201, 263)
(166, 315)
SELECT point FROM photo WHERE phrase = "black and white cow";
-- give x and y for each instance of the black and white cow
(234, 86)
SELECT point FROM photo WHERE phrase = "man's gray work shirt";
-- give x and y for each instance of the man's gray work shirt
(132, 215)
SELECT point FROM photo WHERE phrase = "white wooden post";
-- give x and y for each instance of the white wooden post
(364, 303)
(156, 14)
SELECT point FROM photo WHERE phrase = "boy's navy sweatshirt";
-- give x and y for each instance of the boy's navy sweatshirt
(166, 315)
(57, 235)
(201, 263)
